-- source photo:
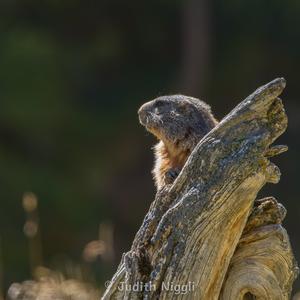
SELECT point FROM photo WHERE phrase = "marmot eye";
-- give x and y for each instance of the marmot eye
(159, 103)
(182, 108)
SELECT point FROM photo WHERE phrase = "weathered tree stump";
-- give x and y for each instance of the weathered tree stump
(203, 237)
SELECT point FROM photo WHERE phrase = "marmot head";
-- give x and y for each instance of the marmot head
(177, 120)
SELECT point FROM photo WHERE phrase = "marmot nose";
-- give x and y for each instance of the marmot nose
(143, 112)
(142, 115)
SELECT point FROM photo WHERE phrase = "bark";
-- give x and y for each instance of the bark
(263, 264)
(202, 234)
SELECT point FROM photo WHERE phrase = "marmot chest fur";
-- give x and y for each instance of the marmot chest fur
(179, 122)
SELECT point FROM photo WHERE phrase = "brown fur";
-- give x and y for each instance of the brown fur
(166, 159)
(179, 122)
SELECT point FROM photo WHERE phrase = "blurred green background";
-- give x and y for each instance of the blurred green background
(72, 75)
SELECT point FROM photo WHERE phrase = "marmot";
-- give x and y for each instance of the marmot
(179, 122)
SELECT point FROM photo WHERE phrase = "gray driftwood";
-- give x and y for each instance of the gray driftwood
(206, 237)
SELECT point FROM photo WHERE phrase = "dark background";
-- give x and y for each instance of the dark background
(72, 76)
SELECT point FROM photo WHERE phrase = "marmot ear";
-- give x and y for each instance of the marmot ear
(204, 105)
(183, 106)
(199, 103)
